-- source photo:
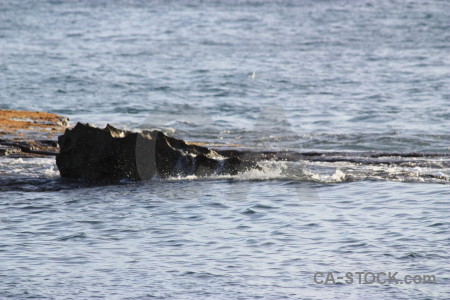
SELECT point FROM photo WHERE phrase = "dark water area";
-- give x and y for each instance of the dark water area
(353, 77)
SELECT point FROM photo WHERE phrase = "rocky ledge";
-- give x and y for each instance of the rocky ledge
(29, 133)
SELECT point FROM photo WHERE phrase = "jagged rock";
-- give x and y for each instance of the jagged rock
(111, 154)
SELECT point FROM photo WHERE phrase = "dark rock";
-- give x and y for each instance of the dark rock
(111, 154)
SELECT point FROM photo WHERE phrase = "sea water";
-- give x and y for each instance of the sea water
(276, 75)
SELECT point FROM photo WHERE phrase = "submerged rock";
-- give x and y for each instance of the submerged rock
(111, 154)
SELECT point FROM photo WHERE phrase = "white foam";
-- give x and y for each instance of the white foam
(337, 176)
(51, 172)
(29, 167)
(324, 172)
(335, 172)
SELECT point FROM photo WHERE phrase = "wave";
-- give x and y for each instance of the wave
(41, 174)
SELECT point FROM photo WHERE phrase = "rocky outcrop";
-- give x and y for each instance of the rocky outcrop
(29, 133)
(111, 154)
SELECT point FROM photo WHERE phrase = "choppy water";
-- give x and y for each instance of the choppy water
(345, 76)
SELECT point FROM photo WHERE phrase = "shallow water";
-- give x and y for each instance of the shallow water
(274, 75)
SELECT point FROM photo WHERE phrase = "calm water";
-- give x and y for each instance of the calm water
(281, 75)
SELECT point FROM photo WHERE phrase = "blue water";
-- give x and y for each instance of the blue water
(279, 75)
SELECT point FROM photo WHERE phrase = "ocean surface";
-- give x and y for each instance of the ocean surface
(347, 76)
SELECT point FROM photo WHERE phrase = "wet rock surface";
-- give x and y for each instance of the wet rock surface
(29, 133)
(111, 154)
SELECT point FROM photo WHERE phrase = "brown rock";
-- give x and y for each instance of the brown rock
(28, 133)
